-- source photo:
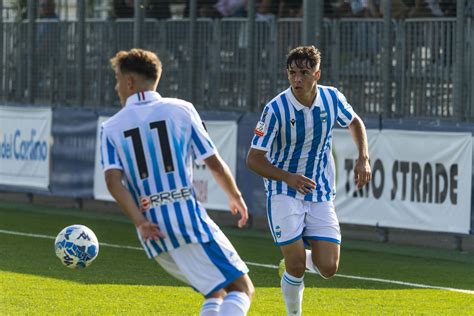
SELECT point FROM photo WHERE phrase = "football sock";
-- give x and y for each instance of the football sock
(310, 265)
(235, 304)
(211, 307)
(292, 289)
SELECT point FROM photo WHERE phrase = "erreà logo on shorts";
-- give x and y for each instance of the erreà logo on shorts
(166, 197)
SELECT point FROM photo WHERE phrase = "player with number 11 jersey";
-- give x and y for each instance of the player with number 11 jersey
(148, 149)
(152, 139)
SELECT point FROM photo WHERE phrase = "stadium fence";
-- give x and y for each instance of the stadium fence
(64, 62)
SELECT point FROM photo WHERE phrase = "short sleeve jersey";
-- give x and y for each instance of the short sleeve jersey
(298, 139)
(154, 141)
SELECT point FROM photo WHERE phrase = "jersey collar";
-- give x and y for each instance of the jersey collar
(142, 97)
(298, 106)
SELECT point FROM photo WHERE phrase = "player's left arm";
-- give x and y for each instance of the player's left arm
(204, 151)
(148, 230)
(362, 170)
(221, 172)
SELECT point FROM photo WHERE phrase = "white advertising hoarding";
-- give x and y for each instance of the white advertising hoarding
(224, 135)
(209, 193)
(421, 180)
(25, 141)
(100, 188)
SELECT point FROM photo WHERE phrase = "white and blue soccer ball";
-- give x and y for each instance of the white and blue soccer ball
(76, 246)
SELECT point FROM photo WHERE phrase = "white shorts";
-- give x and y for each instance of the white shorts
(291, 219)
(206, 267)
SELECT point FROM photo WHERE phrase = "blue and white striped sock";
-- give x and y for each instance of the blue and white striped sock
(292, 289)
(235, 304)
(211, 307)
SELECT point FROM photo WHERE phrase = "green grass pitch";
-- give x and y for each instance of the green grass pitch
(123, 281)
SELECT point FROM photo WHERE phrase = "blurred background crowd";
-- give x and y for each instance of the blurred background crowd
(166, 9)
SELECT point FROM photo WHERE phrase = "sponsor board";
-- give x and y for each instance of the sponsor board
(25, 143)
(421, 180)
(208, 192)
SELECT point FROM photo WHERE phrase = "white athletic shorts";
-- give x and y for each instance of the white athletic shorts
(206, 267)
(291, 219)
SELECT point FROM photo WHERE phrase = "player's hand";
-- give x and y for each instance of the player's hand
(150, 231)
(301, 183)
(362, 172)
(237, 205)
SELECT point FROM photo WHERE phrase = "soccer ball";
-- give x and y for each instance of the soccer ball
(76, 246)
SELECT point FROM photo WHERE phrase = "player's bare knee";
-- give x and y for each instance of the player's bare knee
(243, 284)
(250, 290)
(248, 287)
(328, 270)
(296, 269)
(217, 294)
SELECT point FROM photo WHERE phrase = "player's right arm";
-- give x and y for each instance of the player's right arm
(148, 230)
(265, 132)
(204, 151)
(113, 178)
(258, 163)
(221, 172)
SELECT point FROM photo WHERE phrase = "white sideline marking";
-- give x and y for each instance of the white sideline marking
(270, 266)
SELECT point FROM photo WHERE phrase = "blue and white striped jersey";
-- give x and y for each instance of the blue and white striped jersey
(298, 139)
(154, 140)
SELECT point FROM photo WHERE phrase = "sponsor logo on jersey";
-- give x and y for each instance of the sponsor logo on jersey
(182, 194)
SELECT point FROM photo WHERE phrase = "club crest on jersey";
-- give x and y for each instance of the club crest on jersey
(260, 128)
(323, 116)
(277, 231)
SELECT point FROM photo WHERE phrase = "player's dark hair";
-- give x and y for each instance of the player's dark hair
(139, 61)
(304, 55)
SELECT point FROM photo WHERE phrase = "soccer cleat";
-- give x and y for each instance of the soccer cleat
(281, 267)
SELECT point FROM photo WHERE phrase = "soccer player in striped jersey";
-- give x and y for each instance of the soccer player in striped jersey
(291, 149)
(150, 144)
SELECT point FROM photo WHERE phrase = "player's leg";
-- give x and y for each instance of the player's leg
(211, 305)
(294, 256)
(323, 258)
(215, 267)
(240, 290)
(286, 220)
(292, 285)
(324, 235)
(238, 298)
(209, 268)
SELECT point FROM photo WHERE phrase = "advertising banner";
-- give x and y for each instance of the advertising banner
(224, 135)
(421, 180)
(100, 188)
(25, 142)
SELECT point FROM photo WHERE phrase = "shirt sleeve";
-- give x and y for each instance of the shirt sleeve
(345, 112)
(266, 130)
(201, 143)
(108, 152)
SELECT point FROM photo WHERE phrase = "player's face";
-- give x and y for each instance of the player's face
(122, 86)
(303, 77)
